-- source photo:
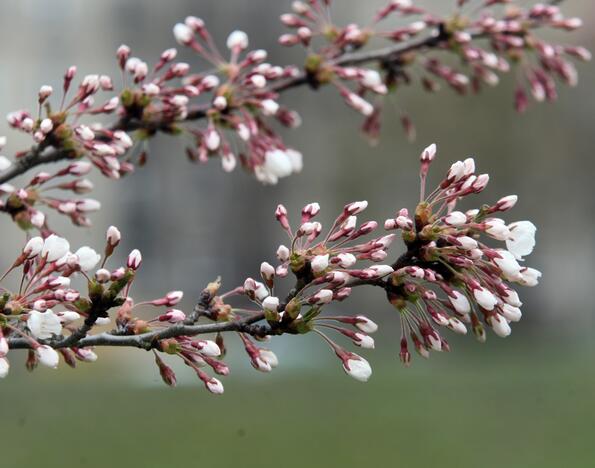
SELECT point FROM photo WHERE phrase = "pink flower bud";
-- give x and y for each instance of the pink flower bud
(281, 215)
(355, 208)
(44, 92)
(309, 211)
(207, 347)
(172, 316)
(214, 386)
(506, 203)
(134, 259)
(319, 263)
(237, 41)
(33, 247)
(47, 356)
(270, 303)
(267, 271)
(183, 34)
(357, 367)
(113, 236)
(428, 154)
(283, 253)
(499, 325)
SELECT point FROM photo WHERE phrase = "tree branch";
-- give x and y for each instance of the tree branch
(36, 156)
(148, 340)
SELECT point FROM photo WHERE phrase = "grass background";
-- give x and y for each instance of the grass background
(515, 406)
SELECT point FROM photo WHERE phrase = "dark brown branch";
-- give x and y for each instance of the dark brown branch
(148, 340)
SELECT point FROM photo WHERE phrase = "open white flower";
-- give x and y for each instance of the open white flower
(277, 164)
(87, 258)
(43, 325)
(530, 277)
(54, 247)
(521, 239)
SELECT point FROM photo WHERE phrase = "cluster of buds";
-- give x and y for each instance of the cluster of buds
(25, 204)
(53, 315)
(242, 97)
(447, 253)
(325, 266)
(509, 32)
(448, 277)
(48, 270)
(61, 129)
(238, 98)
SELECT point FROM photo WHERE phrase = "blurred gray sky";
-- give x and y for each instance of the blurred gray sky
(195, 222)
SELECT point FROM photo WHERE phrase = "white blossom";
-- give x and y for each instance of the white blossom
(319, 263)
(484, 298)
(44, 325)
(237, 40)
(54, 247)
(365, 324)
(521, 239)
(460, 302)
(47, 356)
(87, 258)
(358, 368)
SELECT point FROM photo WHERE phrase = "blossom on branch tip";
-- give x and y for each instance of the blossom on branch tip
(47, 356)
(357, 367)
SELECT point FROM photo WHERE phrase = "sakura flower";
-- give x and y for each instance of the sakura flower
(521, 240)
(87, 258)
(54, 247)
(44, 325)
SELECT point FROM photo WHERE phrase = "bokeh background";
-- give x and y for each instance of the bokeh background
(526, 401)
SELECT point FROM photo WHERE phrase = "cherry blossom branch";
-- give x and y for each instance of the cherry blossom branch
(44, 155)
(440, 34)
(149, 340)
(447, 278)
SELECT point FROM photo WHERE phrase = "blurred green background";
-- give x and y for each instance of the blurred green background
(526, 401)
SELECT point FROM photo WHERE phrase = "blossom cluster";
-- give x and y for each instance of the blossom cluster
(48, 303)
(25, 205)
(230, 111)
(488, 40)
(450, 276)
(450, 253)
(243, 97)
